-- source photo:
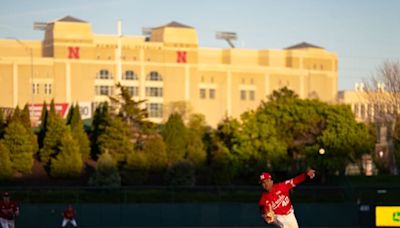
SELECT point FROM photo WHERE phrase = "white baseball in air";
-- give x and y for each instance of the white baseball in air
(321, 151)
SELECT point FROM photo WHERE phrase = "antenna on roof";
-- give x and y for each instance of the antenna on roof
(228, 36)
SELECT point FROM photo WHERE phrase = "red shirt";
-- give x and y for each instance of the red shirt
(8, 210)
(278, 197)
(69, 213)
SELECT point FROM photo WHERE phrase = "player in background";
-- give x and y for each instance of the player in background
(275, 205)
(69, 217)
(9, 210)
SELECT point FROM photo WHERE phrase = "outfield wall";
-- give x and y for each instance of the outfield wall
(190, 215)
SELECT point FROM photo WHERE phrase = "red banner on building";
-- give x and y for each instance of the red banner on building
(36, 110)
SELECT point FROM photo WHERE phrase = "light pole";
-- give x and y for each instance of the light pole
(321, 153)
(29, 50)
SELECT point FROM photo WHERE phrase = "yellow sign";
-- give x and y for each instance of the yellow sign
(387, 216)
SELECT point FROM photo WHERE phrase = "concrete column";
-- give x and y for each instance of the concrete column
(68, 82)
(15, 85)
(142, 78)
(229, 94)
(118, 54)
(266, 81)
(187, 83)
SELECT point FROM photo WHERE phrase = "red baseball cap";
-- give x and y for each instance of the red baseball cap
(265, 176)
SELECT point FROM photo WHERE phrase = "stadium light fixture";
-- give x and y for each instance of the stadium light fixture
(227, 36)
(39, 26)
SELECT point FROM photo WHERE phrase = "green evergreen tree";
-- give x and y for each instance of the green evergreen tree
(106, 174)
(43, 124)
(115, 140)
(68, 162)
(154, 150)
(222, 170)
(136, 169)
(196, 152)
(3, 124)
(52, 107)
(55, 129)
(17, 141)
(26, 122)
(25, 117)
(129, 109)
(181, 173)
(16, 116)
(69, 114)
(5, 162)
(175, 138)
(100, 121)
(78, 133)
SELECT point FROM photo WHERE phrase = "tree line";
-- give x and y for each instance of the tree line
(283, 135)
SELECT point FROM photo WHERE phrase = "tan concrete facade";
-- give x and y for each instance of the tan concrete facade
(368, 106)
(72, 64)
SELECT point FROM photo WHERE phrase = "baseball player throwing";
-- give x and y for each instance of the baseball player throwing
(275, 205)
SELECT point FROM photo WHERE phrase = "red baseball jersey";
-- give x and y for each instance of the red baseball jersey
(278, 197)
(69, 213)
(8, 210)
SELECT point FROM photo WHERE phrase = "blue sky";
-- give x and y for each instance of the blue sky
(363, 33)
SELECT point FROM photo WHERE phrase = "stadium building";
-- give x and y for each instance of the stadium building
(167, 67)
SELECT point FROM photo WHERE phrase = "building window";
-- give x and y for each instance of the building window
(252, 95)
(154, 76)
(154, 92)
(130, 75)
(356, 110)
(242, 94)
(103, 74)
(202, 93)
(47, 88)
(155, 110)
(133, 91)
(35, 88)
(362, 110)
(211, 93)
(103, 90)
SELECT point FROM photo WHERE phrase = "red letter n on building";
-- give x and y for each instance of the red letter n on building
(73, 52)
(181, 56)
